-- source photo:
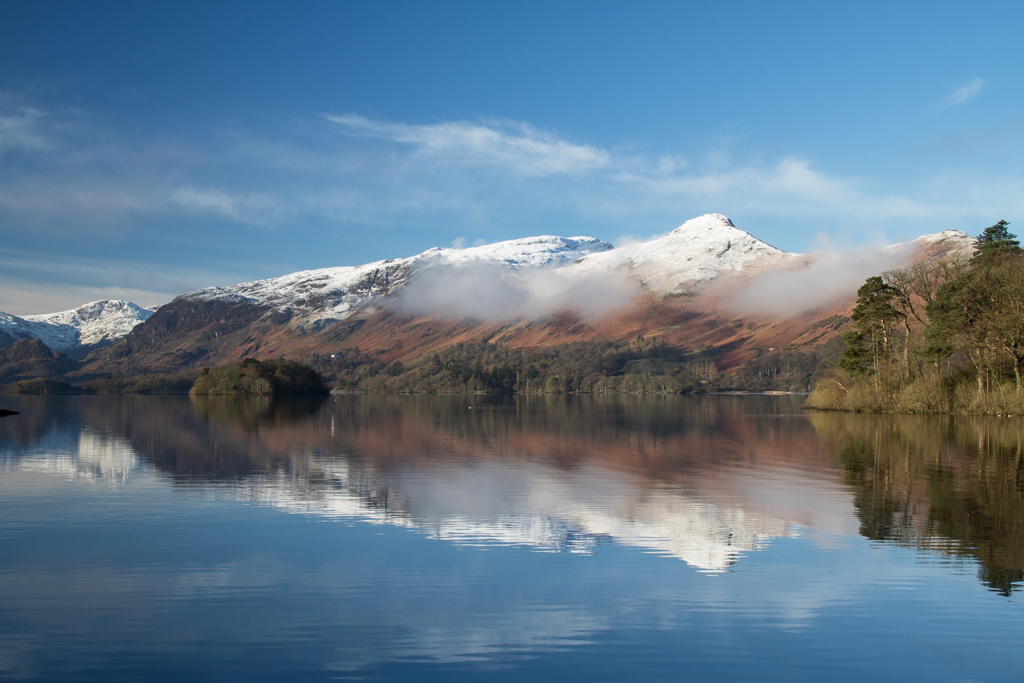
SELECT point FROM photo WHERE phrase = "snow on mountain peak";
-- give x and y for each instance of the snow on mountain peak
(708, 221)
(77, 330)
(320, 296)
(697, 251)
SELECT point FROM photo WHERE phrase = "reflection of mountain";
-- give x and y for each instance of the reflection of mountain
(532, 504)
(703, 479)
(944, 485)
(549, 475)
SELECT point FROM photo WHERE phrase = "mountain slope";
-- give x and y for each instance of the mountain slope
(679, 284)
(315, 299)
(78, 331)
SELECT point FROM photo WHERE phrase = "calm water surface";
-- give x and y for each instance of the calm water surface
(394, 538)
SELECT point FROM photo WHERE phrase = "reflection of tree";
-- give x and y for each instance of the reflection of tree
(956, 486)
(253, 411)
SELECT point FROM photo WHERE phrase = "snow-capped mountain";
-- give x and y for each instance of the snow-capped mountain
(698, 251)
(330, 294)
(522, 279)
(77, 331)
(940, 243)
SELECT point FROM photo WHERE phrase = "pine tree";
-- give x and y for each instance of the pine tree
(996, 238)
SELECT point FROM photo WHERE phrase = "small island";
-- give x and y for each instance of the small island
(251, 377)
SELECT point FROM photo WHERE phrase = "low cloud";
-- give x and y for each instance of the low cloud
(825, 278)
(489, 292)
(965, 93)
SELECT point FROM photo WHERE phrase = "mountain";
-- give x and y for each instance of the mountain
(30, 358)
(78, 331)
(316, 299)
(696, 253)
(707, 287)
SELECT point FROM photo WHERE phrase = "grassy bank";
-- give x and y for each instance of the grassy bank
(925, 394)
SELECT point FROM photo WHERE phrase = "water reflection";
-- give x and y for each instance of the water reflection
(714, 538)
(953, 486)
(706, 480)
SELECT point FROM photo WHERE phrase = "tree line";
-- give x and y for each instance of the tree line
(641, 366)
(945, 335)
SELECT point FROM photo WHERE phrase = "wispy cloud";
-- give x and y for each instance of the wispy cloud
(788, 187)
(516, 146)
(19, 130)
(965, 93)
(63, 173)
(85, 176)
(32, 284)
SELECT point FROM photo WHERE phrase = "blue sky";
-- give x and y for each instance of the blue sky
(147, 149)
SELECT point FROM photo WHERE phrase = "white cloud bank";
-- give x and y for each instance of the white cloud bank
(827, 278)
(489, 292)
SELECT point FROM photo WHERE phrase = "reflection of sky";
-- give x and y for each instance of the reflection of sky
(143, 574)
(364, 599)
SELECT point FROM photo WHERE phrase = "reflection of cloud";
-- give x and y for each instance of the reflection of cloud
(92, 455)
(533, 505)
(524, 628)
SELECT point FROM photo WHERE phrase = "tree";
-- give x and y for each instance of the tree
(982, 312)
(996, 238)
(914, 289)
(1004, 320)
(874, 315)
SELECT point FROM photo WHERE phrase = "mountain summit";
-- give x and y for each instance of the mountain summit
(696, 252)
(77, 331)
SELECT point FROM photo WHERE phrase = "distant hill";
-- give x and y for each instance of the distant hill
(31, 358)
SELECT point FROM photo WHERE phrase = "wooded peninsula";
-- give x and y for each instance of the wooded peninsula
(945, 336)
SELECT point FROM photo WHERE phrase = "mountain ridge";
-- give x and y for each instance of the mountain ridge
(76, 331)
(669, 288)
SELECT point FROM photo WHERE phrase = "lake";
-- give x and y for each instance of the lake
(388, 538)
